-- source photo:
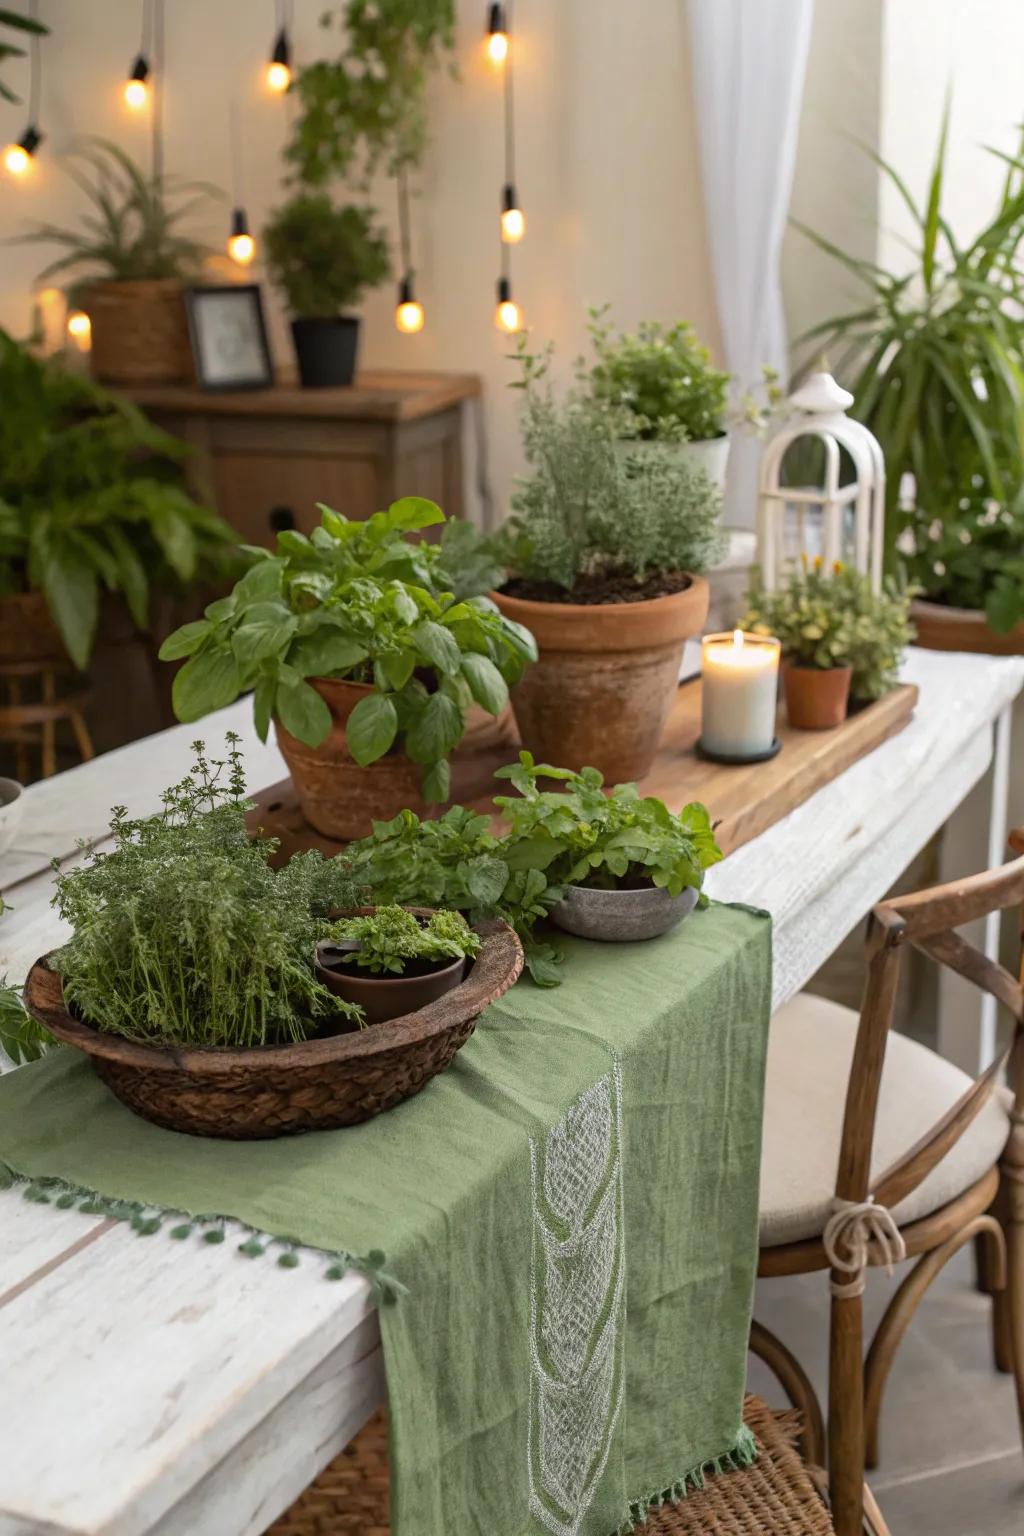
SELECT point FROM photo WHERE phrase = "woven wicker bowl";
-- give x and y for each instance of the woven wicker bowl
(249, 1095)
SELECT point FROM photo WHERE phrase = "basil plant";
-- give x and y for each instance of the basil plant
(359, 601)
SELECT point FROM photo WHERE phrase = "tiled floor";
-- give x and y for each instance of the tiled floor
(952, 1463)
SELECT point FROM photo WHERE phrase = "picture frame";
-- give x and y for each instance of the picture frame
(228, 332)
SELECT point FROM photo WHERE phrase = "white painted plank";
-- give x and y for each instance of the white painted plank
(148, 1362)
(31, 1237)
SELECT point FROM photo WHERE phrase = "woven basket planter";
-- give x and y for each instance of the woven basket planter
(278, 1090)
(139, 332)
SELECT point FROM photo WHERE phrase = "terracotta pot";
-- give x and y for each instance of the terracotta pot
(387, 997)
(337, 796)
(940, 628)
(816, 697)
(27, 632)
(139, 332)
(600, 693)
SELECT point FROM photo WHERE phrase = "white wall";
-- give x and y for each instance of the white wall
(607, 170)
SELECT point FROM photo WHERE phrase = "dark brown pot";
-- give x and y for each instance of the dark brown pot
(600, 693)
(816, 697)
(337, 796)
(27, 632)
(387, 997)
(139, 332)
(277, 1090)
(940, 628)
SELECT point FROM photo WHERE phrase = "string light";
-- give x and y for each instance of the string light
(497, 34)
(513, 219)
(279, 65)
(241, 245)
(409, 316)
(136, 87)
(508, 316)
(18, 156)
(80, 329)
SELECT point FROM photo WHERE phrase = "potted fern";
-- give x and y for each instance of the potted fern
(604, 555)
(323, 259)
(942, 338)
(130, 261)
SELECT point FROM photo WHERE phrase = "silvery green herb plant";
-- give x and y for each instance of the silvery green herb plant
(359, 601)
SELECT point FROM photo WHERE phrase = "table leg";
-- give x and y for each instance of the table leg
(996, 855)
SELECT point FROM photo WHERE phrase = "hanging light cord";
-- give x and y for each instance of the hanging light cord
(510, 109)
(146, 37)
(35, 65)
(157, 43)
(236, 154)
(404, 235)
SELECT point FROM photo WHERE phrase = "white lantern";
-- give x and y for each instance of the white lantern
(837, 522)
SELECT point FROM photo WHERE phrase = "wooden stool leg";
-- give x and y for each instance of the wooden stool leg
(82, 737)
(49, 727)
(846, 1412)
(23, 765)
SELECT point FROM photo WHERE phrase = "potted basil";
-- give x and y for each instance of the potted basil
(390, 960)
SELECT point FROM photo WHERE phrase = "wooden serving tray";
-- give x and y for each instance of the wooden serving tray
(744, 800)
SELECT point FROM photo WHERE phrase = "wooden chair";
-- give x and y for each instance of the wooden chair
(927, 1161)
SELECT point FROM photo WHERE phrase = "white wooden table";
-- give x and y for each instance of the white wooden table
(150, 1386)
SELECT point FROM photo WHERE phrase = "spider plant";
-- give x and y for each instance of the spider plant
(133, 232)
(934, 354)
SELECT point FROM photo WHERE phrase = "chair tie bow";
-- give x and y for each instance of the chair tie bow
(849, 1232)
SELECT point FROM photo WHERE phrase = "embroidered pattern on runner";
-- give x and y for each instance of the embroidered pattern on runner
(577, 1306)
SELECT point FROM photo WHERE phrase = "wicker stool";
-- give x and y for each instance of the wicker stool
(774, 1497)
(37, 700)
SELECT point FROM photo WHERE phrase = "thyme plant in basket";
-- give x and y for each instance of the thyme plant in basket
(184, 935)
(358, 601)
(598, 525)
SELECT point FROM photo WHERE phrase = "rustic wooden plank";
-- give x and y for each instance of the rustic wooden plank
(32, 1239)
(393, 396)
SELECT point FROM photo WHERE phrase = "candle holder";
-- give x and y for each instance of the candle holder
(740, 686)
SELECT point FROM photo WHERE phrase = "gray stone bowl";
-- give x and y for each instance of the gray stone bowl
(12, 803)
(617, 917)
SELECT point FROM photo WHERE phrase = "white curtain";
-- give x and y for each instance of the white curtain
(749, 61)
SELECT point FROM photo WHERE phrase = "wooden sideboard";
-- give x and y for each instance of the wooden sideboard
(264, 458)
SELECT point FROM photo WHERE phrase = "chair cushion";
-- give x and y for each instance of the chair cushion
(810, 1047)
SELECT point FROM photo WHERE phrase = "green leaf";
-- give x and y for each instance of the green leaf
(209, 681)
(266, 631)
(412, 512)
(260, 583)
(438, 646)
(486, 683)
(71, 590)
(371, 728)
(435, 731)
(303, 713)
(486, 879)
(185, 641)
(397, 668)
(933, 209)
(436, 783)
(176, 541)
(133, 580)
(263, 699)
(325, 651)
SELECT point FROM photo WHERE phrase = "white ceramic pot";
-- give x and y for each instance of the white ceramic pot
(12, 803)
(711, 454)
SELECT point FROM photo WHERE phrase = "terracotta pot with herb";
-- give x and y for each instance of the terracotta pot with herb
(604, 556)
(367, 651)
(839, 639)
(391, 960)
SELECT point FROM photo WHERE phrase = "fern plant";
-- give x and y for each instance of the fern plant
(934, 354)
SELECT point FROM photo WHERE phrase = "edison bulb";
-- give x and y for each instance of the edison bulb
(242, 248)
(508, 316)
(409, 317)
(279, 76)
(80, 329)
(497, 47)
(513, 225)
(136, 94)
(17, 159)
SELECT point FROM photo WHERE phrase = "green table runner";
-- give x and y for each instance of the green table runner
(572, 1207)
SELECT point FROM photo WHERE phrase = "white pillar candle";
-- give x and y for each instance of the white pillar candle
(740, 686)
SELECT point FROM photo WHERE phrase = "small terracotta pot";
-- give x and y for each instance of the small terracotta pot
(28, 633)
(600, 693)
(338, 797)
(816, 697)
(941, 628)
(387, 997)
(139, 332)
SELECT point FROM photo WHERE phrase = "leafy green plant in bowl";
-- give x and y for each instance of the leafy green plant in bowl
(411, 957)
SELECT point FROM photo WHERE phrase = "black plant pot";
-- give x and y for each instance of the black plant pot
(326, 350)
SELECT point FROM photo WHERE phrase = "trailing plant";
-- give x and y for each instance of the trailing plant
(456, 861)
(356, 601)
(828, 619)
(21, 1038)
(9, 49)
(184, 935)
(91, 499)
(586, 512)
(579, 835)
(390, 936)
(323, 258)
(934, 354)
(365, 108)
(133, 231)
(973, 559)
